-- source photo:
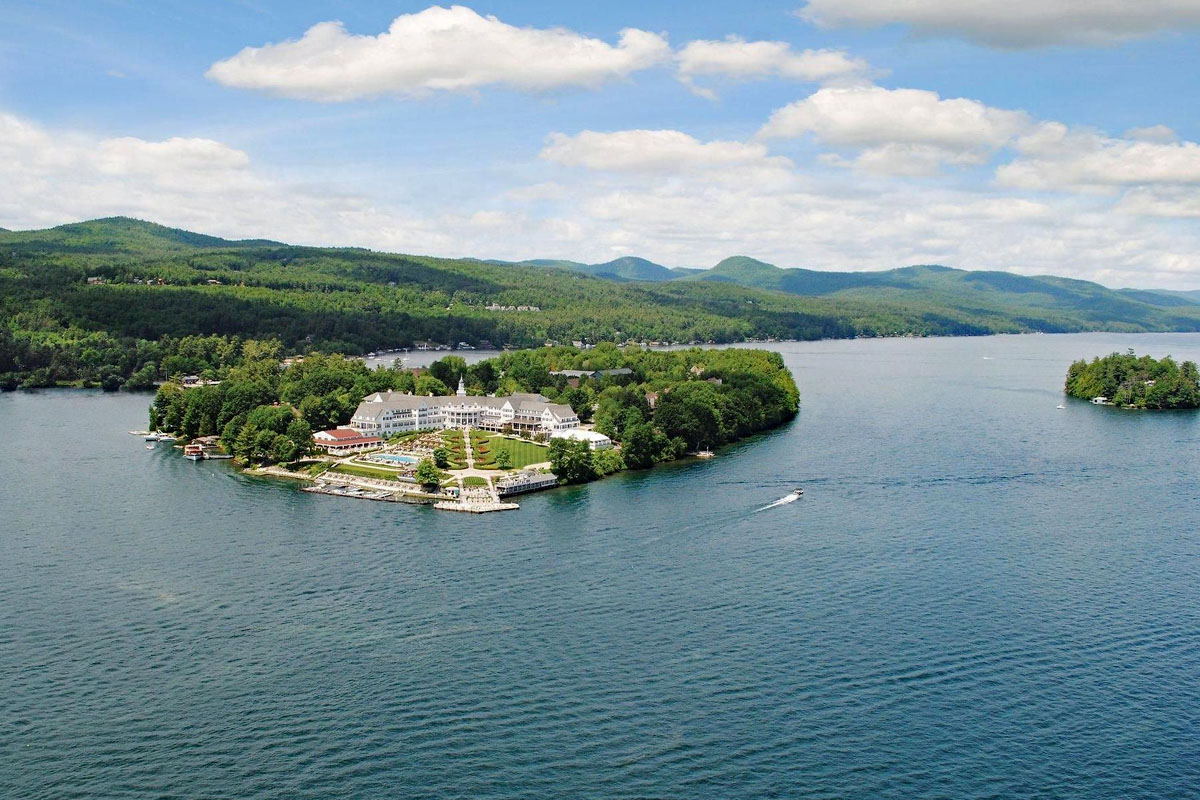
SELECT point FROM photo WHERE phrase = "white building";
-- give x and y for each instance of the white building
(596, 441)
(345, 440)
(387, 413)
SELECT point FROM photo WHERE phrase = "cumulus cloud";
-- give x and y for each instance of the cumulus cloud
(1056, 157)
(737, 59)
(662, 151)
(438, 49)
(693, 221)
(1170, 202)
(680, 200)
(51, 177)
(662, 194)
(1013, 23)
(898, 131)
(1152, 133)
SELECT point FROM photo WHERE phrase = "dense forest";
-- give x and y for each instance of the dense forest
(667, 404)
(113, 302)
(1132, 381)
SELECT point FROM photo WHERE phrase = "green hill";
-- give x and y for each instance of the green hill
(626, 268)
(120, 234)
(1045, 303)
(79, 299)
(631, 268)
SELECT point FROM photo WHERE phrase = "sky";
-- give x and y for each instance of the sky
(1035, 136)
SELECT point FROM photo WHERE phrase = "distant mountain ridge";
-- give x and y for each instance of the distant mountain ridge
(1004, 294)
(129, 278)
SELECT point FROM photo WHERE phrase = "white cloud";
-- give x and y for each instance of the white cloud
(1170, 202)
(1056, 157)
(735, 58)
(664, 195)
(661, 194)
(1152, 133)
(438, 49)
(814, 226)
(1013, 23)
(659, 152)
(898, 131)
(52, 177)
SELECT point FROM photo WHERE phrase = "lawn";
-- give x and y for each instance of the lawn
(474, 480)
(366, 472)
(521, 452)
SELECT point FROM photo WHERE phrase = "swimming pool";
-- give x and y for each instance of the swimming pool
(396, 459)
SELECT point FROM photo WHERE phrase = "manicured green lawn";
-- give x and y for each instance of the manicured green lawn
(474, 480)
(366, 472)
(521, 452)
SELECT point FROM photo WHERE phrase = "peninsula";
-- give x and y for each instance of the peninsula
(522, 421)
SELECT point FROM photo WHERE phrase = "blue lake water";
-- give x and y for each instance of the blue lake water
(979, 596)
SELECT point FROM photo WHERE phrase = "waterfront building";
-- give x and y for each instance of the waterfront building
(595, 440)
(388, 413)
(345, 440)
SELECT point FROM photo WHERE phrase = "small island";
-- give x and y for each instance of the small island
(523, 421)
(1127, 380)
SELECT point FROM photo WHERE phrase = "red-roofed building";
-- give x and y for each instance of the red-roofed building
(345, 440)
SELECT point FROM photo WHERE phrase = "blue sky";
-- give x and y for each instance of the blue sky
(1041, 137)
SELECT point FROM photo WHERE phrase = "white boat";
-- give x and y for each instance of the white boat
(149, 447)
(1060, 406)
(151, 437)
(798, 492)
(165, 437)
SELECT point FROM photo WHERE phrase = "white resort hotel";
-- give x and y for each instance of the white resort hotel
(387, 413)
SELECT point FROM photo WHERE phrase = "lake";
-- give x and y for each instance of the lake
(979, 596)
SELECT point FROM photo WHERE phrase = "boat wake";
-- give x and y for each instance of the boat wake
(783, 501)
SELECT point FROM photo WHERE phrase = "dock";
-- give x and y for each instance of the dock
(474, 507)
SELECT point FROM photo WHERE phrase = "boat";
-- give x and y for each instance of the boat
(149, 447)
(150, 437)
(798, 492)
(165, 437)
(1060, 406)
(193, 452)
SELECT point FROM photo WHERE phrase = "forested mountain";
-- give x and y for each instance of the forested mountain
(627, 268)
(109, 297)
(994, 299)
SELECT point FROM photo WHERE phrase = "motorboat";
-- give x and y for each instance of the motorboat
(798, 492)
(1060, 406)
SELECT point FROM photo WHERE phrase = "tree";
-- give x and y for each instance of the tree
(300, 435)
(571, 461)
(641, 446)
(427, 475)
(503, 459)
(448, 370)
(580, 401)
(692, 412)
(441, 457)
(606, 462)
(427, 384)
